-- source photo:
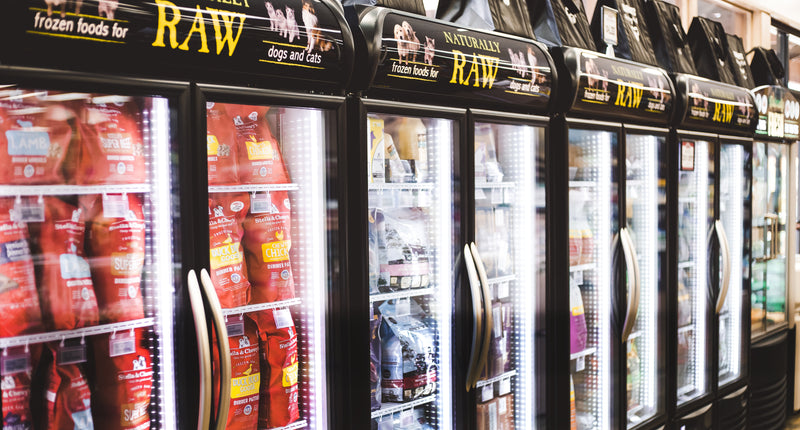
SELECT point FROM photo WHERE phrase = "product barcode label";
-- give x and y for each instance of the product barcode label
(487, 393)
(71, 354)
(578, 277)
(115, 205)
(502, 290)
(260, 203)
(497, 196)
(504, 387)
(16, 363)
(121, 344)
(235, 326)
(283, 318)
(28, 210)
(580, 364)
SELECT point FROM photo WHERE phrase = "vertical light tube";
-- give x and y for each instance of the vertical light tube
(603, 147)
(701, 175)
(733, 227)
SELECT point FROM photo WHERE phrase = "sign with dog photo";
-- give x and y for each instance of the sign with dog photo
(715, 106)
(433, 57)
(298, 39)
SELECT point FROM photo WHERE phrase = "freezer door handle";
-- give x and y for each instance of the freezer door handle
(488, 318)
(634, 284)
(203, 351)
(224, 350)
(726, 264)
(477, 319)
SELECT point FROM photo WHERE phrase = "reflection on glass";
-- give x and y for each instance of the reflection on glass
(645, 200)
(509, 194)
(592, 217)
(695, 210)
(410, 269)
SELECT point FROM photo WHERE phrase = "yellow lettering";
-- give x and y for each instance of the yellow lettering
(620, 101)
(198, 26)
(636, 96)
(628, 96)
(163, 24)
(459, 61)
(472, 69)
(227, 19)
(489, 65)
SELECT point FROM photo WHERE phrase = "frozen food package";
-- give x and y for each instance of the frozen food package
(406, 244)
(260, 159)
(485, 238)
(34, 140)
(246, 370)
(111, 146)
(577, 319)
(487, 415)
(267, 244)
(502, 239)
(408, 359)
(634, 376)
(221, 148)
(17, 365)
(498, 345)
(122, 380)
(684, 304)
(226, 213)
(376, 168)
(487, 168)
(67, 396)
(19, 302)
(505, 412)
(410, 139)
(374, 264)
(116, 249)
(375, 362)
(397, 169)
(684, 348)
(279, 363)
(65, 282)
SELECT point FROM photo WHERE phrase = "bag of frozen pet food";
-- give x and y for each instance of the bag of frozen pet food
(409, 136)
(221, 146)
(277, 335)
(66, 289)
(260, 159)
(267, 243)
(397, 169)
(246, 371)
(34, 140)
(577, 319)
(375, 362)
(111, 144)
(486, 166)
(67, 396)
(504, 16)
(17, 365)
(122, 380)
(19, 302)
(408, 356)
(374, 264)
(226, 212)
(116, 248)
(376, 168)
(406, 249)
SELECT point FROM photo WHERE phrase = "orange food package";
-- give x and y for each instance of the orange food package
(17, 370)
(34, 140)
(245, 374)
(67, 396)
(123, 381)
(19, 302)
(260, 159)
(279, 363)
(116, 248)
(111, 145)
(221, 146)
(267, 243)
(65, 288)
(226, 212)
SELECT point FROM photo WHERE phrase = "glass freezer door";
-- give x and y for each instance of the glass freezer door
(510, 233)
(267, 220)
(695, 220)
(410, 245)
(645, 199)
(592, 225)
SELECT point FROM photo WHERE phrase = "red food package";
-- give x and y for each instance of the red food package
(123, 381)
(67, 395)
(116, 244)
(245, 374)
(267, 243)
(260, 159)
(225, 215)
(279, 388)
(34, 140)
(17, 368)
(112, 149)
(66, 289)
(221, 146)
(19, 302)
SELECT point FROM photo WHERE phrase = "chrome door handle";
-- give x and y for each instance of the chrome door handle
(477, 319)
(203, 351)
(726, 264)
(224, 350)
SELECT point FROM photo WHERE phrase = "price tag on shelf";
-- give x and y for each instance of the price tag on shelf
(123, 343)
(504, 387)
(487, 393)
(580, 364)
(283, 318)
(407, 417)
(115, 205)
(578, 277)
(260, 203)
(479, 194)
(502, 290)
(28, 210)
(15, 362)
(71, 354)
(497, 196)
(235, 325)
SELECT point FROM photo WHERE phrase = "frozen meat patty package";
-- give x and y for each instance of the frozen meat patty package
(260, 159)
(246, 374)
(404, 255)
(277, 336)
(221, 146)
(226, 213)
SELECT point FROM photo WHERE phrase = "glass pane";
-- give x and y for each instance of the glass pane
(86, 256)
(760, 249)
(267, 222)
(734, 19)
(509, 193)
(695, 218)
(793, 64)
(645, 200)
(410, 268)
(592, 221)
(733, 190)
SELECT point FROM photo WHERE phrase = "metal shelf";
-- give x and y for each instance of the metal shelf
(685, 264)
(261, 307)
(70, 190)
(684, 329)
(483, 184)
(295, 425)
(73, 334)
(582, 267)
(400, 294)
(635, 335)
(501, 279)
(484, 382)
(584, 353)
(582, 184)
(401, 186)
(252, 188)
(390, 408)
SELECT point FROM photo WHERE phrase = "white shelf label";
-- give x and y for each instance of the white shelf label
(121, 344)
(283, 318)
(580, 363)
(504, 387)
(487, 393)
